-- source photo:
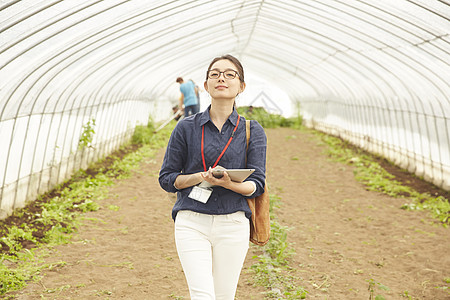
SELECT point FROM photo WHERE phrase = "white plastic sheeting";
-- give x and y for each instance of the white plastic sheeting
(374, 72)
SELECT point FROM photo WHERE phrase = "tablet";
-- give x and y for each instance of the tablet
(238, 175)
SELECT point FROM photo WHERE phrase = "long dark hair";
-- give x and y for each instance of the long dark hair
(234, 60)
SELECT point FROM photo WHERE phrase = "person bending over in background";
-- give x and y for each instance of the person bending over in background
(212, 223)
(188, 97)
(197, 94)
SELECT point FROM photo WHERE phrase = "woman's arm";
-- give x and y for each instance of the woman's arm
(245, 188)
(256, 157)
(174, 159)
(185, 181)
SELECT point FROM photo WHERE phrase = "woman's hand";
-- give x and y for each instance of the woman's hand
(224, 181)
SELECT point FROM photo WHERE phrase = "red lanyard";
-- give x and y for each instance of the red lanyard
(224, 149)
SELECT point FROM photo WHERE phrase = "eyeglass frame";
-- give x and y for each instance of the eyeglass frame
(236, 73)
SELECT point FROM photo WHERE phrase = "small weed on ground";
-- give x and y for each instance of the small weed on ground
(375, 288)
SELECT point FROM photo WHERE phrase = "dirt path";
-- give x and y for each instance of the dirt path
(343, 236)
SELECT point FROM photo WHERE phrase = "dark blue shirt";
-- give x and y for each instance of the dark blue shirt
(183, 156)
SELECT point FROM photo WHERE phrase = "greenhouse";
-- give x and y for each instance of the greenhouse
(78, 78)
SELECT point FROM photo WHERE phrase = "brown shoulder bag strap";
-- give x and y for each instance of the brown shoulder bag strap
(247, 132)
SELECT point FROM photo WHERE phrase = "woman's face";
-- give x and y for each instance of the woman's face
(223, 87)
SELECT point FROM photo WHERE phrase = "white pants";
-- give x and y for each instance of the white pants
(212, 250)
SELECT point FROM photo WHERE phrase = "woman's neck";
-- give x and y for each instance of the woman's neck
(219, 112)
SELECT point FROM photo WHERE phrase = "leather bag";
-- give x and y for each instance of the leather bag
(260, 206)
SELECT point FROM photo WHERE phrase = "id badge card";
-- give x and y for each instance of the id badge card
(200, 194)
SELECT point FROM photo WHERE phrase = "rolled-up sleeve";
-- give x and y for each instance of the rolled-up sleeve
(174, 159)
(256, 157)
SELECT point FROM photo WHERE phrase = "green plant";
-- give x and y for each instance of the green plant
(103, 292)
(438, 206)
(20, 268)
(58, 289)
(405, 294)
(268, 120)
(114, 207)
(16, 270)
(15, 238)
(143, 134)
(87, 135)
(373, 285)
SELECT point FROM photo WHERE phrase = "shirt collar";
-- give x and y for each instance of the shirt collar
(206, 117)
(233, 117)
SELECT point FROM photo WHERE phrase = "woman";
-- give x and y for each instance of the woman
(212, 224)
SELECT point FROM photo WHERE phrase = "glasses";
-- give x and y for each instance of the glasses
(227, 74)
